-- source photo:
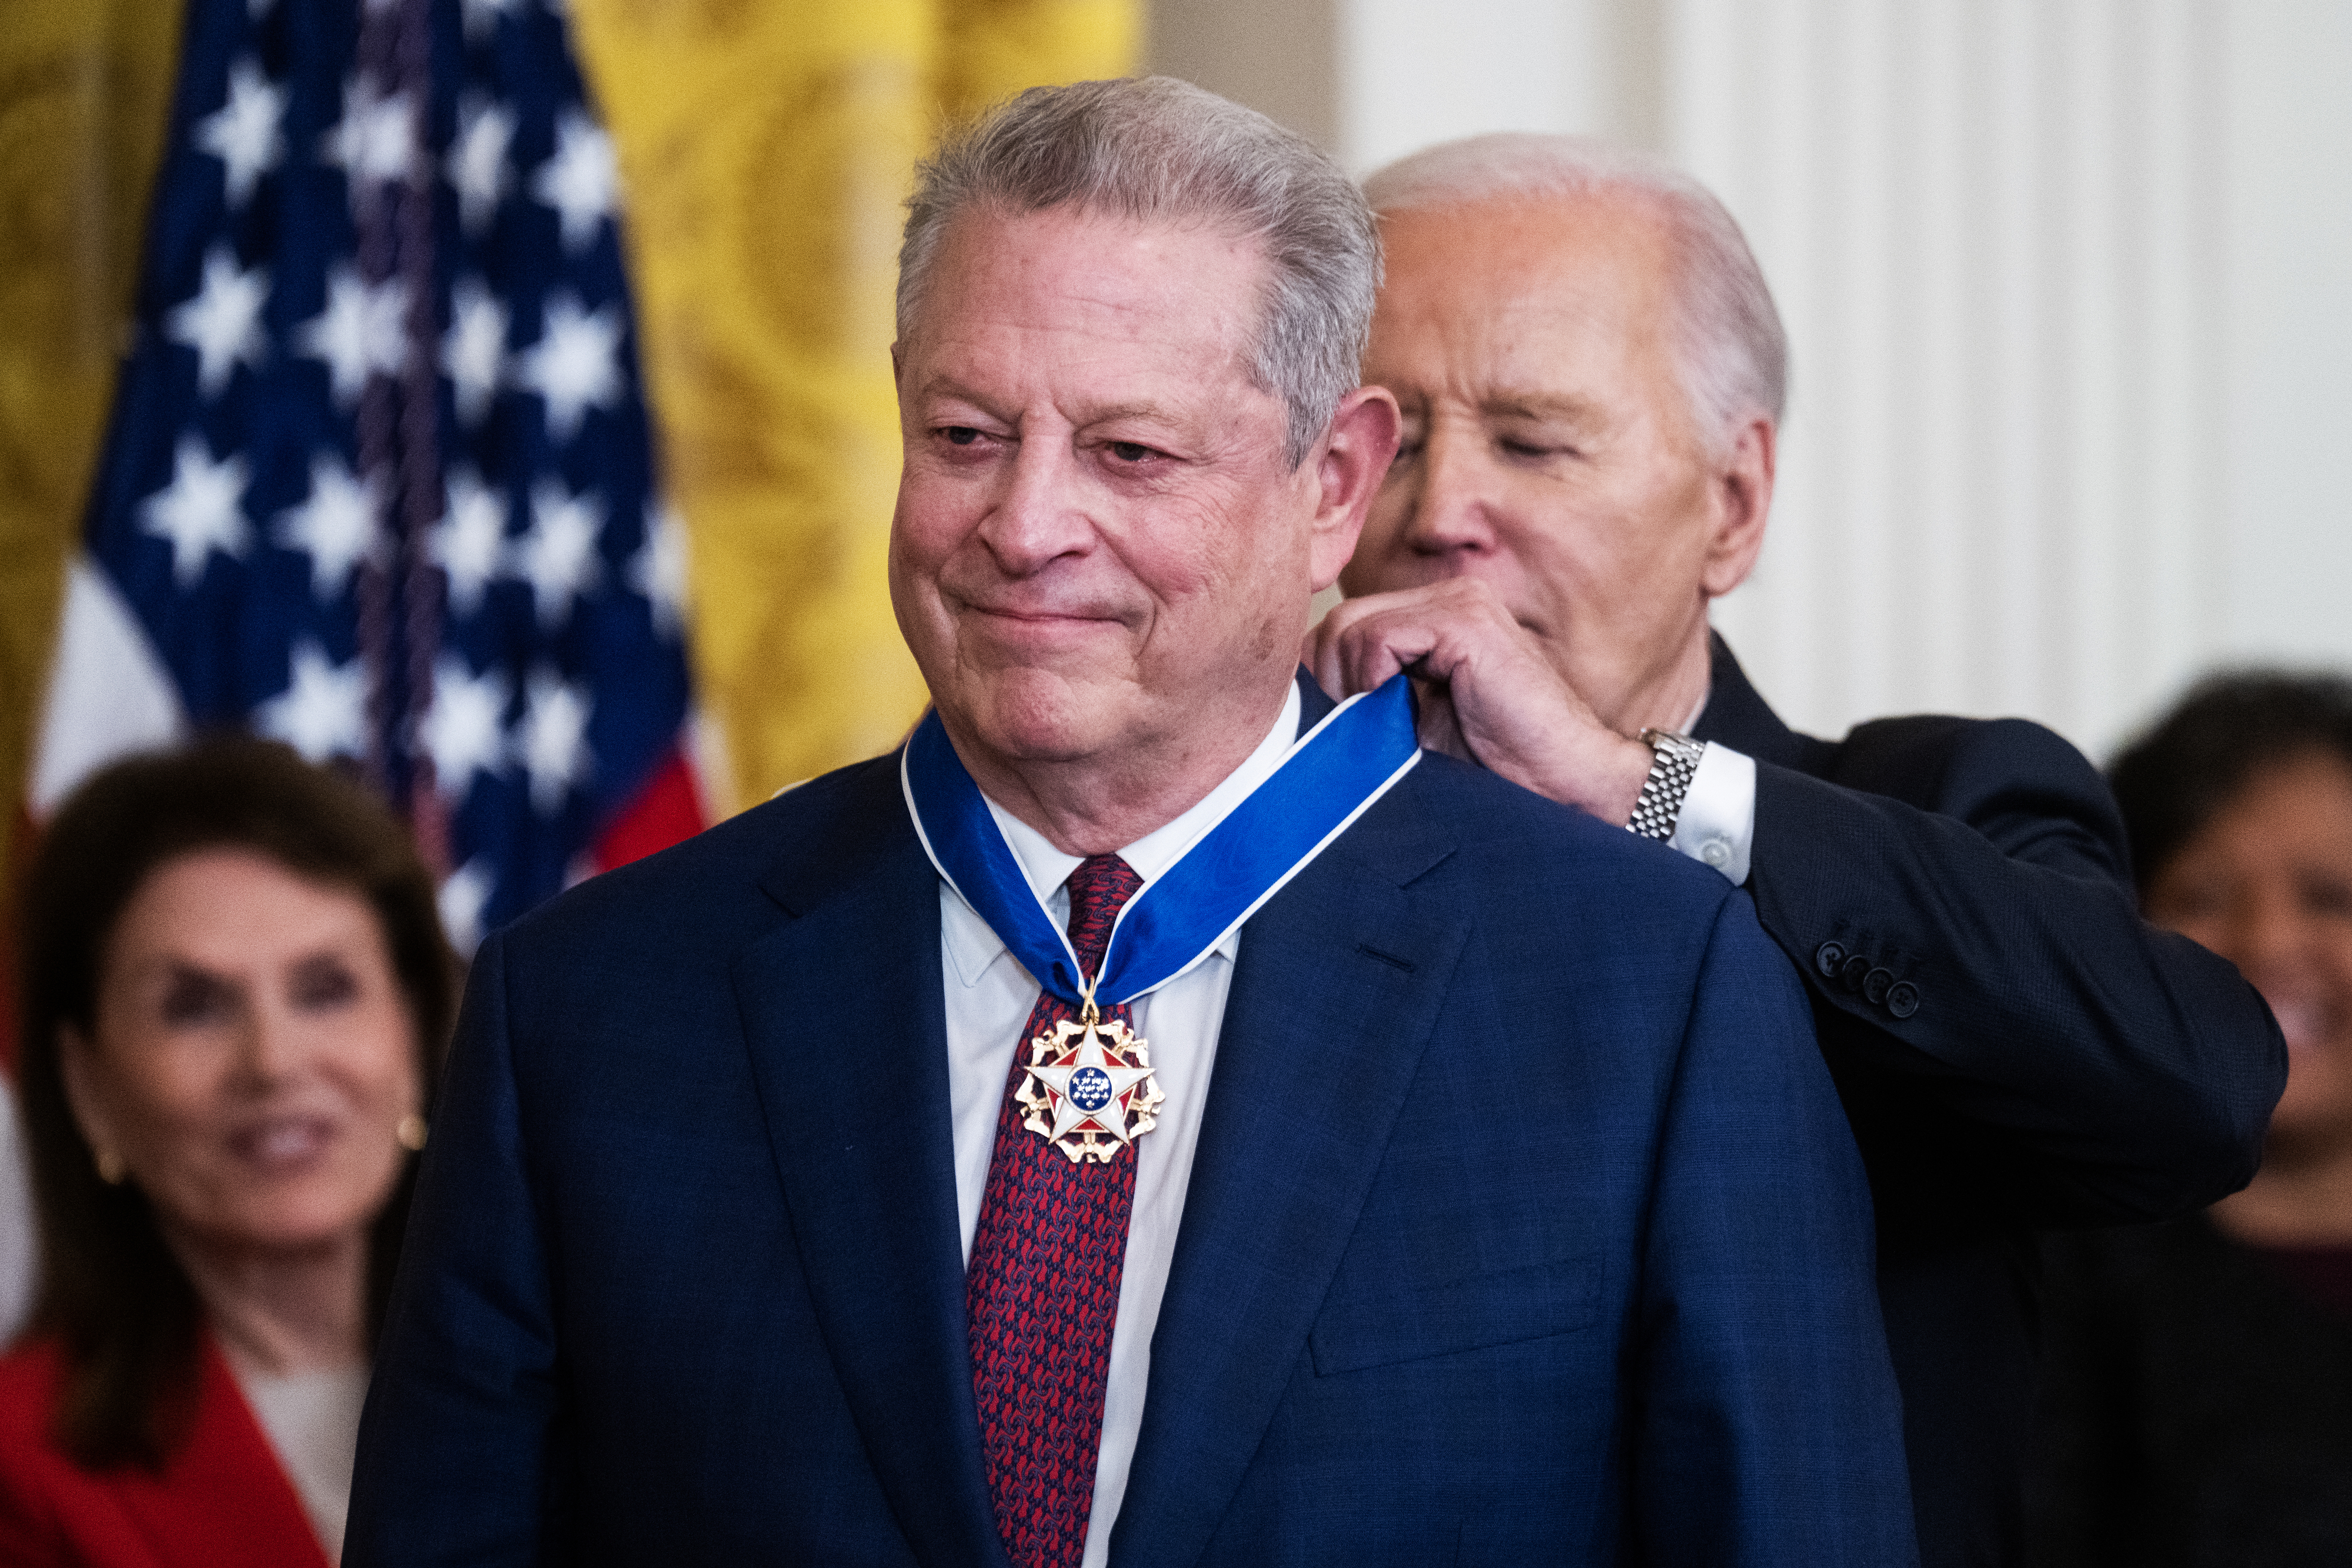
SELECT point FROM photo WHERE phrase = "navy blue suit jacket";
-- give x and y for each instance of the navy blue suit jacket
(2015, 1047)
(1524, 1225)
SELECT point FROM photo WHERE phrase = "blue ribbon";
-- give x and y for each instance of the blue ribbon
(1323, 784)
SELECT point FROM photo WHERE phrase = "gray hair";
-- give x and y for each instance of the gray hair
(1164, 151)
(1734, 353)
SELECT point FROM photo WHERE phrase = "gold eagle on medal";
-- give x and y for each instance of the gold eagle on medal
(1089, 1090)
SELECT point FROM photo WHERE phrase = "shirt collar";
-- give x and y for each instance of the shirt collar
(974, 946)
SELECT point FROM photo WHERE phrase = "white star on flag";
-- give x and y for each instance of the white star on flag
(474, 349)
(469, 542)
(374, 140)
(659, 569)
(558, 556)
(243, 132)
(222, 320)
(358, 333)
(462, 900)
(580, 182)
(322, 713)
(574, 364)
(199, 511)
(477, 164)
(464, 729)
(552, 745)
(336, 525)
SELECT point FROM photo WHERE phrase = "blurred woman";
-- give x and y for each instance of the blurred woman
(235, 987)
(2198, 1400)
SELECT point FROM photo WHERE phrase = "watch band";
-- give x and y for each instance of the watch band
(1673, 764)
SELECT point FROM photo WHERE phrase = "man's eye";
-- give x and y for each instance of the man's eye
(1130, 450)
(1530, 449)
(961, 435)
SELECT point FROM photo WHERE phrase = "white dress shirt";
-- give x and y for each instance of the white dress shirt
(1717, 825)
(989, 998)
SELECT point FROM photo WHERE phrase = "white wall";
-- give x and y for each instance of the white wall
(2069, 283)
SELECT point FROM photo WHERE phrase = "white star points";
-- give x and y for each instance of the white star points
(659, 569)
(322, 712)
(463, 898)
(199, 511)
(464, 729)
(474, 349)
(581, 180)
(336, 525)
(358, 332)
(553, 743)
(375, 140)
(469, 542)
(222, 320)
(558, 557)
(574, 366)
(243, 134)
(477, 161)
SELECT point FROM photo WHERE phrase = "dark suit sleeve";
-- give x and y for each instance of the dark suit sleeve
(1956, 895)
(456, 1448)
(1770, 1427)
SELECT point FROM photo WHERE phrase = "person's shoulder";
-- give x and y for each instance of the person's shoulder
(1946, 751)
(1517, 843)
(714, 879)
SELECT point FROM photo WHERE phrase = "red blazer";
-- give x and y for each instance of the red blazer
(223, 1501)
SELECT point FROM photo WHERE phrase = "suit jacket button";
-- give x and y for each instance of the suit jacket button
(1828, 957)
(1903, 999)
(1875, 985)
(1854, 970)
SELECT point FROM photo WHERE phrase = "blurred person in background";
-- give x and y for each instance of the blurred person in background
(235, 987)
(2198, 1387)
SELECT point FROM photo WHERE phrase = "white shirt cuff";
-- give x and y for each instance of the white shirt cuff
(1717, 825)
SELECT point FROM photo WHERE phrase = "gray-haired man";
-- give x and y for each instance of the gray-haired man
(1591, 372)
(1390, 1167)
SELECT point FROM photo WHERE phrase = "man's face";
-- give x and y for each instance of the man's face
(1098, 547)
(1549, 442)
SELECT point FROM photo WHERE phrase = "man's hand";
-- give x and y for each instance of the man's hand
(1488, 692)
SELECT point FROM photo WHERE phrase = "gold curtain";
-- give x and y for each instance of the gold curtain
(85, 86)
(765, 146)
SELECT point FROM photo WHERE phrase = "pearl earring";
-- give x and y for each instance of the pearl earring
(411, 1132)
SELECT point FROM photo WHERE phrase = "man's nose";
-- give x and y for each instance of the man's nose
(1040, 513)
(1453, 503)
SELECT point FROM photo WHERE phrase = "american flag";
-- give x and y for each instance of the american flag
(379, 480)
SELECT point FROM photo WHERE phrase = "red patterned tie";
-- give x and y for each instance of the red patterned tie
(1043, 1286)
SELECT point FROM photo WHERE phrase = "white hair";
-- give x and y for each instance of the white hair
(1162, 150)
(1734, 353)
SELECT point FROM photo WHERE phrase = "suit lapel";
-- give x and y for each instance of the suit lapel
(844, 1014)
(1338, 987)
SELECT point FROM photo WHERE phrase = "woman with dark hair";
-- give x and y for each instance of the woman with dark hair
(235, 991)
(2198, 1383)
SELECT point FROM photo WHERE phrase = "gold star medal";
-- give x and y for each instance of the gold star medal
(1089, 1090)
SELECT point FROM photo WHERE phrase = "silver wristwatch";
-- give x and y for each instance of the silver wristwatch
(1673, 764)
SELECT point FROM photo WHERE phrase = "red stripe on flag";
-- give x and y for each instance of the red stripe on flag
(667, 811)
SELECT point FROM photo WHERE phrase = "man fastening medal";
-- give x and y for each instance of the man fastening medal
(1480, 1198)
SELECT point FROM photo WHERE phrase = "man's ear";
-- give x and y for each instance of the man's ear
(1349, 467)
(1741, 499)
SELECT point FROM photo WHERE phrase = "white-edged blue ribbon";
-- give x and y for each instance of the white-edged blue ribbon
(1325, 782)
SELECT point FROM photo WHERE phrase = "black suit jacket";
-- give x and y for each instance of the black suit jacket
(2015, 1047)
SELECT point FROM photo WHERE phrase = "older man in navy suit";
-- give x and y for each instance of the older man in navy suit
(1156, 1117)
(1590, 370)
